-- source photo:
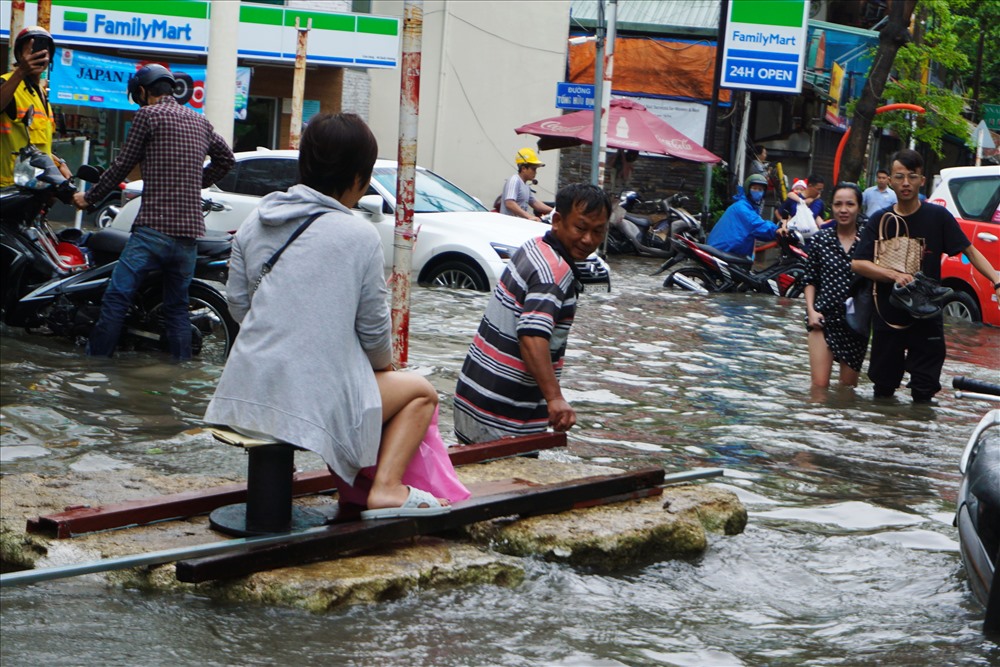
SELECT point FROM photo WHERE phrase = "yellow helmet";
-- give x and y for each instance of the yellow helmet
(528, 156)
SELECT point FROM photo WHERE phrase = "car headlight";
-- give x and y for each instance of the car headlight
(505, 251)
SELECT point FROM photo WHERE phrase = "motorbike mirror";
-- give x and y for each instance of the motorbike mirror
(89, 173)
(29, 116)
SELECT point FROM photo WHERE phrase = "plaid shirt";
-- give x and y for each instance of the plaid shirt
(171, 142)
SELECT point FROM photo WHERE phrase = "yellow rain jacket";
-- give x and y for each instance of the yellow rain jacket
(14, 135)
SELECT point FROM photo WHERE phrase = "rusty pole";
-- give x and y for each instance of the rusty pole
(402, 245)
(45, 14)
(16, 26)
(298, 83)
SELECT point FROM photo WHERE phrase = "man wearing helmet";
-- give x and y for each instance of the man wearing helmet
(517, 198)
(741, 223)
(170, 143)
(22, 90)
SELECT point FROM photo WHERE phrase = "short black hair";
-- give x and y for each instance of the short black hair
(335, 151)
(909, 158)
(759, 148)
(159, 88)
(815, 179)
(577, 195)
(882, 171)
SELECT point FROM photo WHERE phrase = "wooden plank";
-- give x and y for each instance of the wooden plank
(80, 520)
(339, 538)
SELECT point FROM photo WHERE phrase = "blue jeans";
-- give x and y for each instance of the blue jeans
(148, 250)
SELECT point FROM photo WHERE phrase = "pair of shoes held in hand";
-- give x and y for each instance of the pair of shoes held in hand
(921, 298)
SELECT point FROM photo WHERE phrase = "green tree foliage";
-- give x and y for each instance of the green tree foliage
(935, 45)
(979, 25)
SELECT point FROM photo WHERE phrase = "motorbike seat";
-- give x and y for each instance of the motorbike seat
(108, 241)
(214, 243)
(639, 221)
(984, 472)
(729, 258)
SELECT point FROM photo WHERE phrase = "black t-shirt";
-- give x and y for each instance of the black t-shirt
(941, 234)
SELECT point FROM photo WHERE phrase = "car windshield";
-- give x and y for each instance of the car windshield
(433, 193)
(976, 198)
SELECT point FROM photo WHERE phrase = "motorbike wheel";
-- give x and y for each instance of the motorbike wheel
(798, 287)
(694, 274)
(457, 275)
(105, 216)
(214, 329)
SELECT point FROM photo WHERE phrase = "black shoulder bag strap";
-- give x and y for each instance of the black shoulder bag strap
(269, 264)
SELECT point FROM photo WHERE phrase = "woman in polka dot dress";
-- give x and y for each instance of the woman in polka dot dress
(828, 277)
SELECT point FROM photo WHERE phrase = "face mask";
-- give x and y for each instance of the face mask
(756, 196)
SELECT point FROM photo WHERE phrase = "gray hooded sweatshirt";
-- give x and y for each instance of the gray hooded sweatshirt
(301, 369)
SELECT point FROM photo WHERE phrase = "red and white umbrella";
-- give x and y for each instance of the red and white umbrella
(630, 127)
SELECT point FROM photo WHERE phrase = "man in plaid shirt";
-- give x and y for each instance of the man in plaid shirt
(171, 142)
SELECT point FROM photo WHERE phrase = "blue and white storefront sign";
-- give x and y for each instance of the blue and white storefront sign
(765, 45)
(574, 95)
(95, 80)
(264, 32)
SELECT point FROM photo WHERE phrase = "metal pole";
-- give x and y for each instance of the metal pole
(609, 55)
(713, 109)
(16, 26)
(402, 245)
(220, 74)
(80, 185)
(741, 147)
(26, 577)
(298, 83)
(595, 144)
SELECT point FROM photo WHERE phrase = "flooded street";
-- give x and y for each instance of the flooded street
(849, 557)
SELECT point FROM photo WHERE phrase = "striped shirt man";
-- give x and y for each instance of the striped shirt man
(496, 395)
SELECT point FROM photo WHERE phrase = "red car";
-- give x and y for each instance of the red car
(972, 194)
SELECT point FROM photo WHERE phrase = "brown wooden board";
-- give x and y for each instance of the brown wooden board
(340, 538)
(80, 520)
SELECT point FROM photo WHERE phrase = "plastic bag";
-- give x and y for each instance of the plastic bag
(803, 222)
(430, 470)
(858, 306)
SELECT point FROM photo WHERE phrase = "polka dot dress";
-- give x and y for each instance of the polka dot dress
(829, 270)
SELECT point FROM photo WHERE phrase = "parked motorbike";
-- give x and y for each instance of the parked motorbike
(978, 514)
(53, 283)
(629, 233)
(701, 268)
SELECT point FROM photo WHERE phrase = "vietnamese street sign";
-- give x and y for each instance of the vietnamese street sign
(991, 115)
(765, 45)
(574, 95)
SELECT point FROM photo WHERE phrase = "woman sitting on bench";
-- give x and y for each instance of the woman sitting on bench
(312, 365)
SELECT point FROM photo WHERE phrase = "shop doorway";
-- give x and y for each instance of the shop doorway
(260, 127)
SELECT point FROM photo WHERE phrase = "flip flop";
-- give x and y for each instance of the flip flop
(410, 508)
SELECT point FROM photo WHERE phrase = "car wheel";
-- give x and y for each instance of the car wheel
(961, 307)
(105, 216)
(457, 275)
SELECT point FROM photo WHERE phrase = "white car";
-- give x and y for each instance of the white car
(459, 243)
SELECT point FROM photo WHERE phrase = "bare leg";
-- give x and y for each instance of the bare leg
(820, 359)
(408, 403)
(848, 376)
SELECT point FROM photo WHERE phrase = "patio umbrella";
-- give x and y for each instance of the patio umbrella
(630, 127)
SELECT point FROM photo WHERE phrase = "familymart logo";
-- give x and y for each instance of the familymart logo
(133, 27)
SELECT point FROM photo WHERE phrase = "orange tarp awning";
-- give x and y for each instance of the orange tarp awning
(659, 67)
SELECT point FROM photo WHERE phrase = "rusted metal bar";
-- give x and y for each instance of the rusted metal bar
(298, 83)
(406, 165)
(338, 538)
(16, 26)
(79, 520)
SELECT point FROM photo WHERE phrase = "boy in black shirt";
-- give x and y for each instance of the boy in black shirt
(899, 341)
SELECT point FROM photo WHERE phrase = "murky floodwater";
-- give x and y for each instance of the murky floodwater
(849, 557)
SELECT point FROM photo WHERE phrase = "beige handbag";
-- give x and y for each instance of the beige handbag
(900, 252)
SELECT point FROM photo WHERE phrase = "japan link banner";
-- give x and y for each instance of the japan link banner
(95, 80)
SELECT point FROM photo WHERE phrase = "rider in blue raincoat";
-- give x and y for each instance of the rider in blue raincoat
(741, 224)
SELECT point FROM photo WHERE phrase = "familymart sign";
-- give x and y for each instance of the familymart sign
(765, 45)
(182, 26)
